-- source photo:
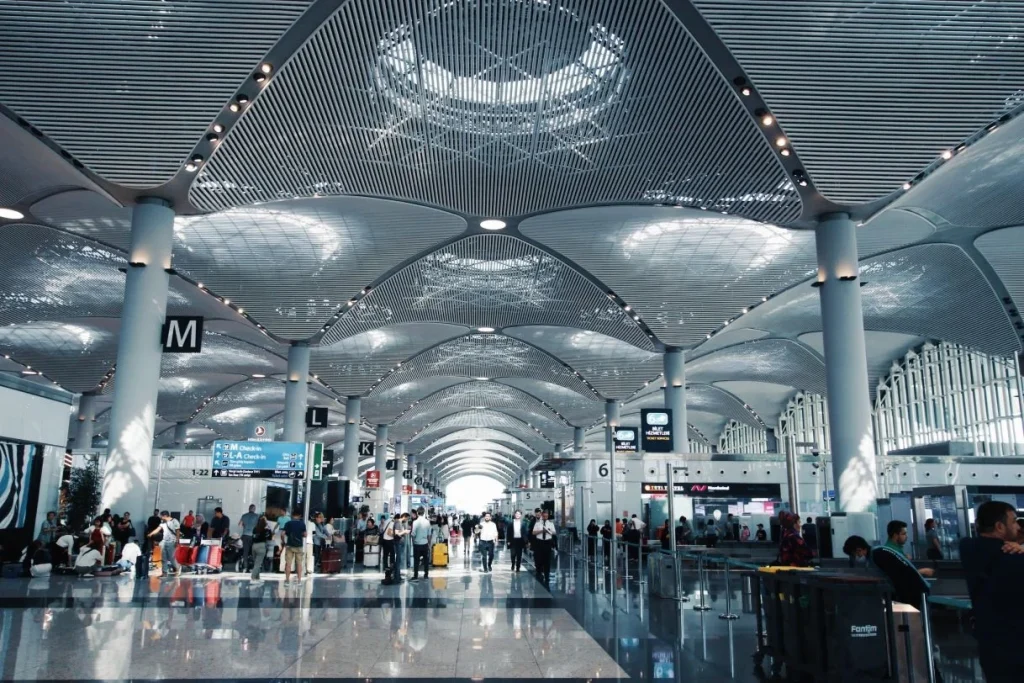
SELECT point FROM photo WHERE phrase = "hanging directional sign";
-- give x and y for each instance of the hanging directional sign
(367, 448)
(656, 430)
(546, 480)
(625, 439)
(316, 417)
(259, 459)
(182, 334)
(390, 465)
(318, 462)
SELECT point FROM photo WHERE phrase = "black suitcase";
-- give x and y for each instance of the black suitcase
(142, 566)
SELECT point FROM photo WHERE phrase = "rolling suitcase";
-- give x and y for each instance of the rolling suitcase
(330, 561)
(439, 555)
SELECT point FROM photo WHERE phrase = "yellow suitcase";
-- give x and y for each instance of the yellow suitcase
(439, 555)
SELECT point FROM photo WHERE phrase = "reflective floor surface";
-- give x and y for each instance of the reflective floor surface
(461, 623)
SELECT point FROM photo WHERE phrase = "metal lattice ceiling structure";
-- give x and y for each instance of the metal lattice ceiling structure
(656, 164)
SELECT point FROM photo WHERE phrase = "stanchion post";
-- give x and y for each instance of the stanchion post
(728, 596)
(701, 572)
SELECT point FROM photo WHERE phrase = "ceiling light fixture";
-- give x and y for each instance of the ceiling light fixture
(234, 106)
(217, 128)
(485, 330)
(481, 379)
(781, 141)
(745, 92)
(767, 120)
(906, 186)
(785, 152)
(266, 67)
(11, 214)
(258, 376)
(947, 155)
(191, 168)
(492, 224)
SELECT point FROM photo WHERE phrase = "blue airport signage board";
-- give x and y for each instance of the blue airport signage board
(259, 459)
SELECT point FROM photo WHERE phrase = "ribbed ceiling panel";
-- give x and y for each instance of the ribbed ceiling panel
(221, 354)
(28, 168)
(76, 354)
(492, 356)
(477, 434)
(533, 105)
(1003, 250)
(768, 400)
(475, 395)
(129, 86)
(702, 397)
(482, 418)
(979, 187)
(684, 271)
(882, 349)
(931, 290)
(195, 435)
(616, 369)
(384, 406)
(576, 408)
(476, 457)
(489, 281)
(871, 92)
(780, 361)
(351, 366)
(513, 454)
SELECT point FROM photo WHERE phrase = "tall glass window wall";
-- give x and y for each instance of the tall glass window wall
(742, 438)
(947, 392)
(805, 420)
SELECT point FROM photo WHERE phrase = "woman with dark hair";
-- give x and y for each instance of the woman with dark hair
(934, 543)
(793, 551)
(858, 550)
(261, 537)
(606, 535)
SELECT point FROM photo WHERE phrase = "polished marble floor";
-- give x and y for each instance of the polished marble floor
(584, 625)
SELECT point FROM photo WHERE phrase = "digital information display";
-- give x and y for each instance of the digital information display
(625, 440)
(259, 460)
(656, 430)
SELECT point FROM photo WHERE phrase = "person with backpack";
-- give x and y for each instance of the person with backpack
(167, 535)
(294, 542)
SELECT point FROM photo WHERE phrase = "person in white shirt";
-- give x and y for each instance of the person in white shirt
(129, 555)
(637, 523)
(543, 537)
(65, 547)
(488, 537)
(89, 560)
(515, 536)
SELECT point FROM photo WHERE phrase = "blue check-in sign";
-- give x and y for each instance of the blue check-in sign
(259, 460)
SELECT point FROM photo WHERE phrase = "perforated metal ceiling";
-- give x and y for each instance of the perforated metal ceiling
(478, 434)
(1002, 249)
(76, 354)
(701, 397)
(491, 356)
(535, 105)
(871, 92)
(613, 367)
(489, 281)
(882, 349)
(780, 361)
(486, 419)
(930, 290)
(321, 253)
(129, 86)
(352, 365)
(29, 169)
(576, 408)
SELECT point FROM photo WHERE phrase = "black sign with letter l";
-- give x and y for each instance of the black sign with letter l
(367, 448)
(316, 417)
(182, 334)
(625, 439)
(656, 430)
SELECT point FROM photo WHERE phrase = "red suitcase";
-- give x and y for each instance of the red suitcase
(330, 561)
(183, 555)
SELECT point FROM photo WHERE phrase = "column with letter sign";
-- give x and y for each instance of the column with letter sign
(316, 417)
(183, 334)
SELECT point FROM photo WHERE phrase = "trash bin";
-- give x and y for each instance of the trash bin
(830, 627)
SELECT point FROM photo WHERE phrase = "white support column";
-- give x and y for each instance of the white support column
(133, 416)
(846, 373)
(611, 418)
(350, 461)
(675, 398)
(86, 420)
(380, 452)
(296, 391)
(180, 434)
(579, 439)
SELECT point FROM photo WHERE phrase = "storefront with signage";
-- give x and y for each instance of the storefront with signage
(750, 503)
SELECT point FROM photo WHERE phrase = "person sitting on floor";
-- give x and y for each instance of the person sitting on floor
(89, 560)
(129, 555)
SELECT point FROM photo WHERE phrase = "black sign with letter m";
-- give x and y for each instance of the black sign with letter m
(182, 334)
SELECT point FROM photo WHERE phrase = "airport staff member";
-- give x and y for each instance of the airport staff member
(543, 536)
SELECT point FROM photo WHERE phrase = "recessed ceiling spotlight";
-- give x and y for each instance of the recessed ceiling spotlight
(234, 106)
(947, 155)
(11, 214)
(243, 99)
(212, 137)
(258, 376)
(745, 92)
(481, 379)
(259, 77)
(785, 152)
(266, 67)
(217, 128)
(781, 141)
(767, 120)
(906, 186)
(492, 224)
(191, 168)
(485, 330)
